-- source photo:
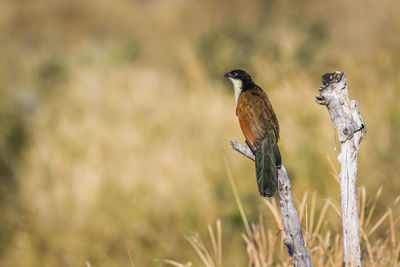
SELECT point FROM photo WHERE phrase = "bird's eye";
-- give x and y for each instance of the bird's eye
(235, 74)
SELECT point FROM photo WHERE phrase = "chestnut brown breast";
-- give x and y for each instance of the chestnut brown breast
(255, 115)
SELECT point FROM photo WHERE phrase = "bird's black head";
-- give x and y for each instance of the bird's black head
(239, 75)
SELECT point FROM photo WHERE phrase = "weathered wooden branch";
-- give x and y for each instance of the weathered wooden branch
(294, 237)
(350, 126)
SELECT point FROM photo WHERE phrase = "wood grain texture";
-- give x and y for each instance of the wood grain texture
(350, 126)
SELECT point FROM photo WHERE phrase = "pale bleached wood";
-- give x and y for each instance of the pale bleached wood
(294, 237)
(350, 126)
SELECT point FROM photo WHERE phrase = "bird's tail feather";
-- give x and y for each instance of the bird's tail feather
(268, 160)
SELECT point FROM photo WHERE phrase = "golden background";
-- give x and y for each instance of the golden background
(115, 120)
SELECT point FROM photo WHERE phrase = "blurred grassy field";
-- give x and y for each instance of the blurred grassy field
(115, 120)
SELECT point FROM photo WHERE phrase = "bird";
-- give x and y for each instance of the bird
(260, 127)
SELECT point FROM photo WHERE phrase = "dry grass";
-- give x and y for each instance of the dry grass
(266, 248)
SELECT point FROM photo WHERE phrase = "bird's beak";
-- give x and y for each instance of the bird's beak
(228, 74)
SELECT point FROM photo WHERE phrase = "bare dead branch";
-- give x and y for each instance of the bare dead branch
(350, 126)
(294, 237)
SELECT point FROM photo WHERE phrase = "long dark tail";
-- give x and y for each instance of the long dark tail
(268, 160)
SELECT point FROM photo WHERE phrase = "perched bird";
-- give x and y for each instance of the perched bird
(260, 127)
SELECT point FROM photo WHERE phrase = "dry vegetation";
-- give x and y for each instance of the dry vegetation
(115, 120)
(266, 248)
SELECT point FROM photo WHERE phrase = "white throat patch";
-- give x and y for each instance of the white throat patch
(237, 86)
